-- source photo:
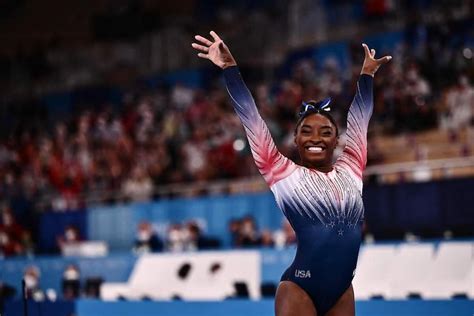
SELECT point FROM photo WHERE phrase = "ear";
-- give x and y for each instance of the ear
(337, 142)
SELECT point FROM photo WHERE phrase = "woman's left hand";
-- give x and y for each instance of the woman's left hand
(371, 65)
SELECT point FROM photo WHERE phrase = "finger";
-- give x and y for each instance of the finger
(204, 49)
(215, 36)
(203, 40)
(366, 49)
(205, 56)
(384, 59)
(372, 53)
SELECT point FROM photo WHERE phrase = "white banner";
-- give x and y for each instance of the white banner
(191, 276)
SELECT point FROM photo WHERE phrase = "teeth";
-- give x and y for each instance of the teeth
(315, 149)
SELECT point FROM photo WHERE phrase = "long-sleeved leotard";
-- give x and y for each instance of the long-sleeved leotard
(324, 209)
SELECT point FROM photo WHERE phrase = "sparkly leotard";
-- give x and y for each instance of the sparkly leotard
(324, 209)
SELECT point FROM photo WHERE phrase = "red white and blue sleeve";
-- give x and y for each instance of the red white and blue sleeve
(354, 155)
(270, 162)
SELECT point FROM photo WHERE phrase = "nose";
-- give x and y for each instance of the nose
(316, 137)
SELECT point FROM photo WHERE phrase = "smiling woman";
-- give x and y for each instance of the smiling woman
(316, 136)
(321, 200)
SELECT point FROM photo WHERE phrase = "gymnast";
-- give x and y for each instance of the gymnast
(322, 200)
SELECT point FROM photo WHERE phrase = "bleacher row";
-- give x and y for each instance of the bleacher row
(429, 145)
(429, 155)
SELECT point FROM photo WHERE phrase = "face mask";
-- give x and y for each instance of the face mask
(71, 274)
(247, 228)
(143, 235)
(70, 235)
(30, 282)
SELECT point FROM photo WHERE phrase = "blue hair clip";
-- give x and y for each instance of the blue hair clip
(319, 106)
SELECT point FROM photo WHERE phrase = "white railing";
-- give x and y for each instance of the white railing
(416, 171)
(423, 170)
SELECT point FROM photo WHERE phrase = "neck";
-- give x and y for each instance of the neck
(322, 168)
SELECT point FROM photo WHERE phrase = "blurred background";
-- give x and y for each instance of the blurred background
(125, 175)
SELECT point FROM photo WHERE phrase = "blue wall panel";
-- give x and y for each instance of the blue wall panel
(389, 211)
(117, 225)
(114, 224)
(52, 225)
(114, 268)
(233, 308)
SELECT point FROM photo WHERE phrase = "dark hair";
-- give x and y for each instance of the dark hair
(315, 110)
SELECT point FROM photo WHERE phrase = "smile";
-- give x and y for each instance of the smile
(315, 149)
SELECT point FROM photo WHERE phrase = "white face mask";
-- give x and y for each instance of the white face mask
(70, 235)
(143, 235)
(71, 274)
(31, 282)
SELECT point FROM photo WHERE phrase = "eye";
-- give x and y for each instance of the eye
(327, 133)
(305, 131)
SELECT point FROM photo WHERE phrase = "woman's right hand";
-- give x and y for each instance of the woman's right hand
(216, 51)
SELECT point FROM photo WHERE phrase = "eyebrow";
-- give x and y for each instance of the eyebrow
(321, 127)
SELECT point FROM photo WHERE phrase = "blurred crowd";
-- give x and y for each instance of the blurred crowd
(106, 153)
(178, 134)
(191, 236)
(245, 233)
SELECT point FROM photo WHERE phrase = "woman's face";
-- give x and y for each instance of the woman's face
(316, 140)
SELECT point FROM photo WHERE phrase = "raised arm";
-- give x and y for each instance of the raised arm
(355, 152)
(270, 162)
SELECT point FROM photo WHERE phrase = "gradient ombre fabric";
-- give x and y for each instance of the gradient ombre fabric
(325, 209)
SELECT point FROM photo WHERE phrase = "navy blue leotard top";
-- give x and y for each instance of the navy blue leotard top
(324, 209)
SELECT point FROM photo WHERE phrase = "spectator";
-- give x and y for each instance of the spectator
(234, 229)
(176, 240)
(14, 239)
(71, 284)
(266, 239)
(70, 237)
(139, 187)
(461, 106)
(146, 239)
(285, 236)
(33, 290)
(248, 234)
(197, 240)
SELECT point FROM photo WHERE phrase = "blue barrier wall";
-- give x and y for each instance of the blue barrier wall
(422, 208)
(234, 308)
(265, 307)
(117, 268)
(417, 207)
(117, 225)
(52, 225)
(114, 268)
